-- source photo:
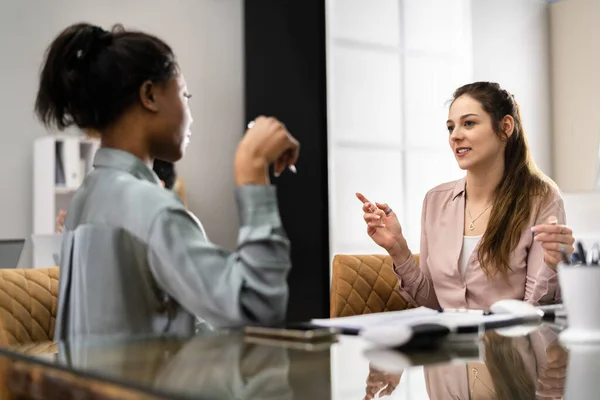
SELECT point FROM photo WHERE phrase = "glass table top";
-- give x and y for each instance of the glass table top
(234, 366)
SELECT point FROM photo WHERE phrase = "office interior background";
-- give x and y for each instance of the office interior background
(363, 84)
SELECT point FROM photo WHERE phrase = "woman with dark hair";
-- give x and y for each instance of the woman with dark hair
(496, 234)
(133, 260)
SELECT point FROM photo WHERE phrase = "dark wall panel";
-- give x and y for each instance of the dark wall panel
(285, 77)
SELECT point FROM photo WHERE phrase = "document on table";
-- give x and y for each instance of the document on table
(410, 317)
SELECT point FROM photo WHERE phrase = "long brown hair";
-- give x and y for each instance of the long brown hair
(507, 368)
(522, 186)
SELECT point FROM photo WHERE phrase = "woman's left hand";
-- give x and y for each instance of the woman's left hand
(555, 239)
(60, 221)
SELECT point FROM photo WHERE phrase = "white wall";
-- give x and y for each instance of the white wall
(511, 46)
(583, 213)
(207, 37)
(575, 42)
(392, 67)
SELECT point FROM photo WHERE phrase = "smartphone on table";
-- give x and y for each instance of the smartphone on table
(295, 332)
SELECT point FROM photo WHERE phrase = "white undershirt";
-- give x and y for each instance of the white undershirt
(469, 244)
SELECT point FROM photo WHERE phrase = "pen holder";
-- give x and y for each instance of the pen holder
(583, 370)
(580, 287)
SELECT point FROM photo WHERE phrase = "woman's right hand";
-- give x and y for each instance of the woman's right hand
(380, 383)
(384, 229)
(266, 142)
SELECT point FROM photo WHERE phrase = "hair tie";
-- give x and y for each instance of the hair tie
(99, 39)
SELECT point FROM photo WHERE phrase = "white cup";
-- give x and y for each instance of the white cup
(580, 287)
(582, 372)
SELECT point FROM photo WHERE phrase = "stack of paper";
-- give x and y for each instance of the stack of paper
(364, 321)
(410, 318)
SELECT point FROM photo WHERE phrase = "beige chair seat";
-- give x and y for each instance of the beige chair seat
(28, 304)
(363, 284)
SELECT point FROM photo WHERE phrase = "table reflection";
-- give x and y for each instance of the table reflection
(231, 366)
(511, 368)
(218, 366)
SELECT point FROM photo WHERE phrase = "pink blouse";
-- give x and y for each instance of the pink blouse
(438, 281)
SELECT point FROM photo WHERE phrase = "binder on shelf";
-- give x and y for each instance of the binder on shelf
(82, 168)
(60, 164)
(59, 171)
(71, 155)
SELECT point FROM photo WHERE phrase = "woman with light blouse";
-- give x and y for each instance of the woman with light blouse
(498, 233)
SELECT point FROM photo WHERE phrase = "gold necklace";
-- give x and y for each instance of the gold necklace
(475, 380)
(472, 224)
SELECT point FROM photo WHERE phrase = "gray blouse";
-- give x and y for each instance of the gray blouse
(135, 261)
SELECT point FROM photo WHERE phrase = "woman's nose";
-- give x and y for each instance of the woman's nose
(456, 134)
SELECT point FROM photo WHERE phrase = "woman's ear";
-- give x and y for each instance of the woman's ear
(148, 97)
(508, 126)
(162, 183)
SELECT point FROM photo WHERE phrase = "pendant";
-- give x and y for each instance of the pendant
(471, 226)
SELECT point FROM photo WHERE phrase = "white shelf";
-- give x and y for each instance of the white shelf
(60, 165)
(64, 190)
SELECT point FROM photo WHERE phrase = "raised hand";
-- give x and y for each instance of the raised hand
(266, 142)
(380, 383)
(383, 226)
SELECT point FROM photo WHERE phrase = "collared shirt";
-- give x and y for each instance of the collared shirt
(134, 261)
(438, 282)
(459, 381)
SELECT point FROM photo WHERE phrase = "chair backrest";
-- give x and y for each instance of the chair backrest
(28, 304)
(363, 284)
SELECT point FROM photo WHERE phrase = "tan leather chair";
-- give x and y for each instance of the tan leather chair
(363, 284)
(28, 304)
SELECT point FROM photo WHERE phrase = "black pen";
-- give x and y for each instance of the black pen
(565, 257)
(581, 251)
(464, 310)
(552, 312)
(594, 255)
